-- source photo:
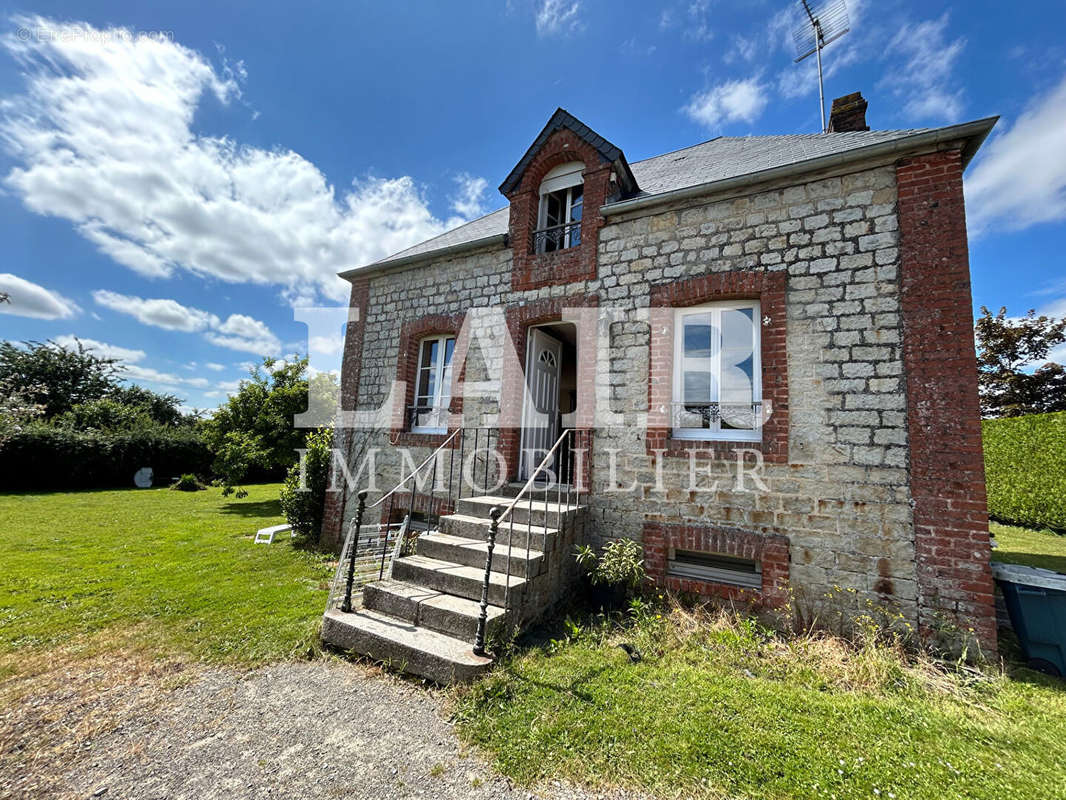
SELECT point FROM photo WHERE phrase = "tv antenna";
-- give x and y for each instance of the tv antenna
(821, 25)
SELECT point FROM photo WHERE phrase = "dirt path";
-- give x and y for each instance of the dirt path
(322, 729)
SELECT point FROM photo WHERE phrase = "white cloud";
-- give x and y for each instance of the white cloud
(237, 331)
(742, 48)
(102, 137)
(27, 299)
(1020, 176)
(922, 81)
(693, 19)
(558, 17)
(468, 201)
(101, 349)
(158, 312)
(733, 101)
(211, 365)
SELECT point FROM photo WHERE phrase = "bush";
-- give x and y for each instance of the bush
(187, 483)
(1025, 469)
(615, 574)
(42, 457)
(303, 501)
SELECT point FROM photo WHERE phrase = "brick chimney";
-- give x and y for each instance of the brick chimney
(848, 113)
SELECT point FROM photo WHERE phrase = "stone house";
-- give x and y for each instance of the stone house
(755, 356)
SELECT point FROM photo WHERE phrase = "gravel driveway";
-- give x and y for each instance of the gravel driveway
(323, 729)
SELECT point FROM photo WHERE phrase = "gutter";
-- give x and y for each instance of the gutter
(462, 247)
(973, 132)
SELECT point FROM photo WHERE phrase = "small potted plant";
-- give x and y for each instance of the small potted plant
(614, 574)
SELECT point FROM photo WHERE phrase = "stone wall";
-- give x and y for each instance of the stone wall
(841, 498)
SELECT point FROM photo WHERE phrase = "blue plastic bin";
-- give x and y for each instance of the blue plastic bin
(1036, 602)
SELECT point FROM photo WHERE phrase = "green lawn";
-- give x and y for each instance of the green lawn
(1033, 548)
(724, 710)
(171, 571)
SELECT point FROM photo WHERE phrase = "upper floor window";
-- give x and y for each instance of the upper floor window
(433, 387)
(717, 372)
(559, 212)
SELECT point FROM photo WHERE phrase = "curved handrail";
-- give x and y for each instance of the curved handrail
(416, 470)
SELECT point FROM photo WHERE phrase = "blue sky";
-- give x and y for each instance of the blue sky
(177, 176)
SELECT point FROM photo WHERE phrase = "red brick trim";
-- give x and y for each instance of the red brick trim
(351, 368)
(530, 270)
(520, 317)
(412, 333)
(770, 550)
(769, 289)
(947, 478)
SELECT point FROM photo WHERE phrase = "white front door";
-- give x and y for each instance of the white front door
(540, 406)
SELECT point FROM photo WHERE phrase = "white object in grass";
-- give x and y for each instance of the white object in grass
(266, 535)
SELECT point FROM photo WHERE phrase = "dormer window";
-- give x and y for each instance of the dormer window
(559, 213)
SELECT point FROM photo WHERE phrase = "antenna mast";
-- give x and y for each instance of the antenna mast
(823, 25)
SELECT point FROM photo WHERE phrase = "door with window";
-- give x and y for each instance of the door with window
(540, 407)
(717, 374)
(433, 385)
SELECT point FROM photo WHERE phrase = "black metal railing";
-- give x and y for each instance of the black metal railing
(570, 461)
(463, 463)
(557, 237)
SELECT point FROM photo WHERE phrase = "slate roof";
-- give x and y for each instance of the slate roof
(610, 153)
(719, 159)
(732, 156)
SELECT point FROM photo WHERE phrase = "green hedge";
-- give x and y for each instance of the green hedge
(1025, 466)
(43, 457)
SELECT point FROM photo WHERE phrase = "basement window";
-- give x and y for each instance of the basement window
(716, 567)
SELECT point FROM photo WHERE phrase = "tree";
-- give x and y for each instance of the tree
(303, 496)
(252, 434)
(57, 378)
(62, 379)
(1006, 350)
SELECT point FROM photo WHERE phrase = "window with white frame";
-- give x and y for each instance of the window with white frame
(559, 212)
(717, 372)
(433, 385)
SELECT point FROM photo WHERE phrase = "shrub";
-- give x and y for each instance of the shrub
(618, 568)
(1025, 468)
(187, 483)
(303, 496)
(43, 457)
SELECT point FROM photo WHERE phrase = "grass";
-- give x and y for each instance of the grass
(1043, 548)
(719, 707)
(171, 572)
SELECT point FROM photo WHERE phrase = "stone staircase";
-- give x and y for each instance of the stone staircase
(422, 620)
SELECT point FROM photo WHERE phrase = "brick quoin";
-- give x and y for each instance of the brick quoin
(770, 550)
(947, 477)
(531, 270)
(769, 289)
(333, 514)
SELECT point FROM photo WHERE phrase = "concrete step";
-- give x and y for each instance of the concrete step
(399, 644)
(539, 512)
(472, 553)
(427, 608)
(471, 527)
(513, 489)
(454, 579)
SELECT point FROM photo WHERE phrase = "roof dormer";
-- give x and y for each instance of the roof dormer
(556, 191)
